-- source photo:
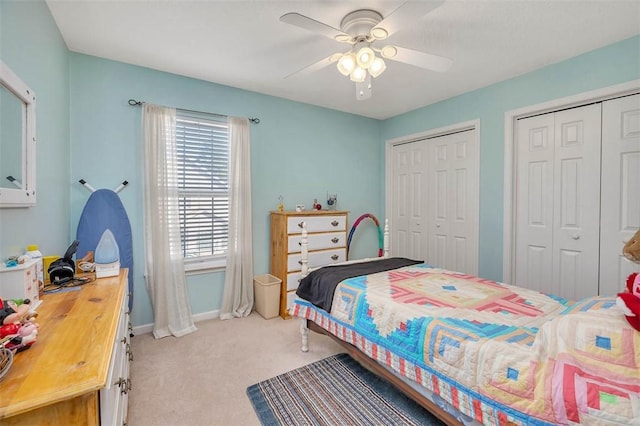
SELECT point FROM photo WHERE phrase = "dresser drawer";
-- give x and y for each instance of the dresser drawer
(316, 223)
(293, 280)
(318, 241)
(317, 258)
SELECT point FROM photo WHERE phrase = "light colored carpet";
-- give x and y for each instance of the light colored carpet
(201, 378)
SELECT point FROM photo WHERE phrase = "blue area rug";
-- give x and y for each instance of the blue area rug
(334, 391)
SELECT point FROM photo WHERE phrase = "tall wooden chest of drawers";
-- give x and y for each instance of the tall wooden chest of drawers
(327, 244)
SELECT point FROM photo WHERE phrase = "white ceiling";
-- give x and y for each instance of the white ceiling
(243, 43)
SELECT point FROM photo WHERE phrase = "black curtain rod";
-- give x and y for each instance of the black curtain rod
(133, 102)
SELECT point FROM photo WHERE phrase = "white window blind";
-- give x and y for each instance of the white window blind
(202, 145)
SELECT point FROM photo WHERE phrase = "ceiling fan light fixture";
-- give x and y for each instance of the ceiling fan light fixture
(346, 64)
(358, 75)
(343, 38)
(377, 67)
(365, 57)
(364, 89)
(388, 52)
(379, 33)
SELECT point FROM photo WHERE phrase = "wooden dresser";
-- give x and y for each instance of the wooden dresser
(327, 244)
(77, 372)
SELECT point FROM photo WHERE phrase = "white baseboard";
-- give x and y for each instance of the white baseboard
(148, 328)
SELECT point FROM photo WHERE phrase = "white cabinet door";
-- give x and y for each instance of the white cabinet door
(621, 189)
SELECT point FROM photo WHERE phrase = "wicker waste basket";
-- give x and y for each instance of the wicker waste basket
(266, 291)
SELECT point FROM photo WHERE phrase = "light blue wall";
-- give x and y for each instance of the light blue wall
(611, 65)
(298, 150)
(31, 45)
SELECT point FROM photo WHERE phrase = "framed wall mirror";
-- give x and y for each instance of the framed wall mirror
(17, 141)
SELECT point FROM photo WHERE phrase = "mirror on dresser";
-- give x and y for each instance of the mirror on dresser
(17, 141)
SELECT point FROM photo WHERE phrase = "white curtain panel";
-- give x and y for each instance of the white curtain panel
(237, 299)
(164, 266)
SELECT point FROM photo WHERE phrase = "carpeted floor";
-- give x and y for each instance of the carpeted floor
(201, 379)
(334, 391)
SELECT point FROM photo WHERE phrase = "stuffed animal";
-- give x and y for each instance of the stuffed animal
(10, 312)
(631, 249)
(19, 336)
(629, 300)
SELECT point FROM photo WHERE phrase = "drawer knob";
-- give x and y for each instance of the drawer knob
(335, 257)
(335, 223)
(301, 224)
(335, 240)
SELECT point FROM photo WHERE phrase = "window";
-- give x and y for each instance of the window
(202, 146)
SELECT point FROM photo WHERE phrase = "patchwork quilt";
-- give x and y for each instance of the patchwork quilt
(497, 353)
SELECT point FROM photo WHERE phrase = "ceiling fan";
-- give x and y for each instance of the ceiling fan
(363, 29)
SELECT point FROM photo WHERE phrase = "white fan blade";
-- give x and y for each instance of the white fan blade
(317, 65)
(407, 12)
(421, 59)
(312, 25)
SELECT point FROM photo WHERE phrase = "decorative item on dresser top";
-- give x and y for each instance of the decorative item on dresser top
(78, 372)
(327, 244)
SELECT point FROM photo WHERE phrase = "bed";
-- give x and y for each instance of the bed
(474, 351)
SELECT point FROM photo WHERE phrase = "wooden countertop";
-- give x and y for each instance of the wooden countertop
(72, 353)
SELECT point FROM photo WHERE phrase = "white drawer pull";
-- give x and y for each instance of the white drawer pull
(335, 257)
(335, 223)
(335, 240)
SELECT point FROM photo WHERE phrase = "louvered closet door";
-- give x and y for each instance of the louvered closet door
(408, 235)
(621, 189)
(452, 195)
(557, 201)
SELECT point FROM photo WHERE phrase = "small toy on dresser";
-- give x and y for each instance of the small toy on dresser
(629, 300)
(18, 331)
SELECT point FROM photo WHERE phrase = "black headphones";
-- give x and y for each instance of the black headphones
(64, 268)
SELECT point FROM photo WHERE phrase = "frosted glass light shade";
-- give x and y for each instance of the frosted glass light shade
(346, 64)
(365, 57)
(377, 67)
(358, 75)
(389, 52)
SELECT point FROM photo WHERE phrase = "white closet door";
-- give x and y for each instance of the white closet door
(453, 194)
(534, 203)
(408, 233)
(620, 189)
(558, 198)
(576, 202)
